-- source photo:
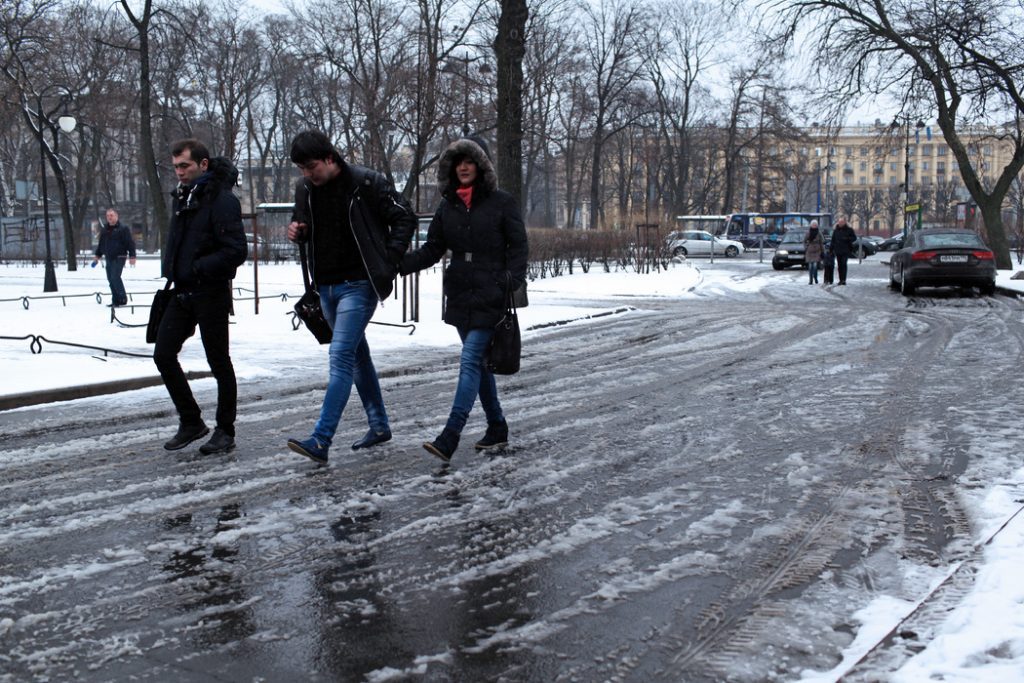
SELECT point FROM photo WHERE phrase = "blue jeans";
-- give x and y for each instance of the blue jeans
(812, 270)
(474, 380)
(114, 267)
(348, 308)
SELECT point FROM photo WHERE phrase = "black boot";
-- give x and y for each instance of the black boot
(496, 436)
(444, 445)
(220, 442)
(186, 435)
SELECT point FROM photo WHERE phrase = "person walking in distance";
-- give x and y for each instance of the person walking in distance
(814, 247)
(205, 245)
(358, 227)
(116, 246)
(483, 228)
(843, 241)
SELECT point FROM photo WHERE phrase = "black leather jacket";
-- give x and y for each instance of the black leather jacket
(381, 219)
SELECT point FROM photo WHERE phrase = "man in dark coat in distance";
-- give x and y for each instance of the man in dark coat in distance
(844, 241)
(116, 246)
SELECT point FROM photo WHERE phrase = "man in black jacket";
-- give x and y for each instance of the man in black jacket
(358, 228)
(844, 241)
(116, 245)
(205, 246)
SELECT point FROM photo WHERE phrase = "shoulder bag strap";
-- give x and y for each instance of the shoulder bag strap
(305, 267)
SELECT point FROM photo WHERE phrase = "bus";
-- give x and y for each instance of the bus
(709, 223)
(751, 228)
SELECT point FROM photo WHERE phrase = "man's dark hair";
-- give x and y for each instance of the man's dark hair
(312, 145)
(196, 149)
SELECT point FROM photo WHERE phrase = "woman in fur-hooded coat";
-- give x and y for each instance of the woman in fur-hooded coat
(483, 228)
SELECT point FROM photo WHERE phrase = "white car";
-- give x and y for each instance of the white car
(700, 243)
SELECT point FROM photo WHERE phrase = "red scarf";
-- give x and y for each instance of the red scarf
(466, 194)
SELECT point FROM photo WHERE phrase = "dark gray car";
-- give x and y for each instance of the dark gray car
(943, 257)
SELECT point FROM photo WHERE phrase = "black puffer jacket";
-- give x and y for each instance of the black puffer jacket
(380, 217)
(488, 242)
(206, 243)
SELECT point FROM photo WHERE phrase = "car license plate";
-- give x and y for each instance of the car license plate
(953, 258)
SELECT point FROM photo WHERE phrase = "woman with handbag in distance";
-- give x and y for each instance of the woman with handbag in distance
(483, 228)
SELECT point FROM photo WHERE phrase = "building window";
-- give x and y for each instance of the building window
(863, 165)
(863, 180)
(924, 165)
(863, 151)
(941, 151)
(926, 150)
(849, 151)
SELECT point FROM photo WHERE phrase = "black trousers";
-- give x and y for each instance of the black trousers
(841, 266)
(209, 310)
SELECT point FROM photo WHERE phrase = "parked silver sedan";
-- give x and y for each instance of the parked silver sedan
(700, 243)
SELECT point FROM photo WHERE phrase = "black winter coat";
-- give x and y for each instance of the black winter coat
(843, 241)
(491, 232)
(207, 242)
(115, 242)
(381, 220)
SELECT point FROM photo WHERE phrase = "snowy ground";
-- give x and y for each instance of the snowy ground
(982, 639)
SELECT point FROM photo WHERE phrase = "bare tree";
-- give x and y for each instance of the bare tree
(612, 30)
(965, 57)
(676, 61)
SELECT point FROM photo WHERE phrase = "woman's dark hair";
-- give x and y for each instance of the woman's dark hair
(453, 177)
(312, 145)
(196, 149)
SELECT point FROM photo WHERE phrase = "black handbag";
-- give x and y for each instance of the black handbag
(308, 307)
(506, 345)
(156, 311)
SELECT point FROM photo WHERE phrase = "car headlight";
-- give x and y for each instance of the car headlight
(782, 252)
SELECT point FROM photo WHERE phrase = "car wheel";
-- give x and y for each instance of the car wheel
(777, 266)
(893, 285)
(906, 288)
(988, 289)
(732, 251)
(679, 251)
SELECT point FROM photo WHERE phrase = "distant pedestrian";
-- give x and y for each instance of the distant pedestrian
(844, 240)
(828, 261)
(483, 228)
(205, 245)
(116, 246)
(814, 247)
(358, 228)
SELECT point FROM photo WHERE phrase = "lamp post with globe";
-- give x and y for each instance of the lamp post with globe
(65, 123)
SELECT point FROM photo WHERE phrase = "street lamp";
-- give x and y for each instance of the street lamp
(906, 160)
(452, 69)
(67, 123)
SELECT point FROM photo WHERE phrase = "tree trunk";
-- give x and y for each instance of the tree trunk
(156, 195)
(509, 50)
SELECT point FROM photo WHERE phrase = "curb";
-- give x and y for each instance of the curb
(31, 398)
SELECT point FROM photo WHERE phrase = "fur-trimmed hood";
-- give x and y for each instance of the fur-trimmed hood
(475, 149)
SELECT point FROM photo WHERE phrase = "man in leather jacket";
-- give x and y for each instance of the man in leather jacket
(205, 245)
(356, 228)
